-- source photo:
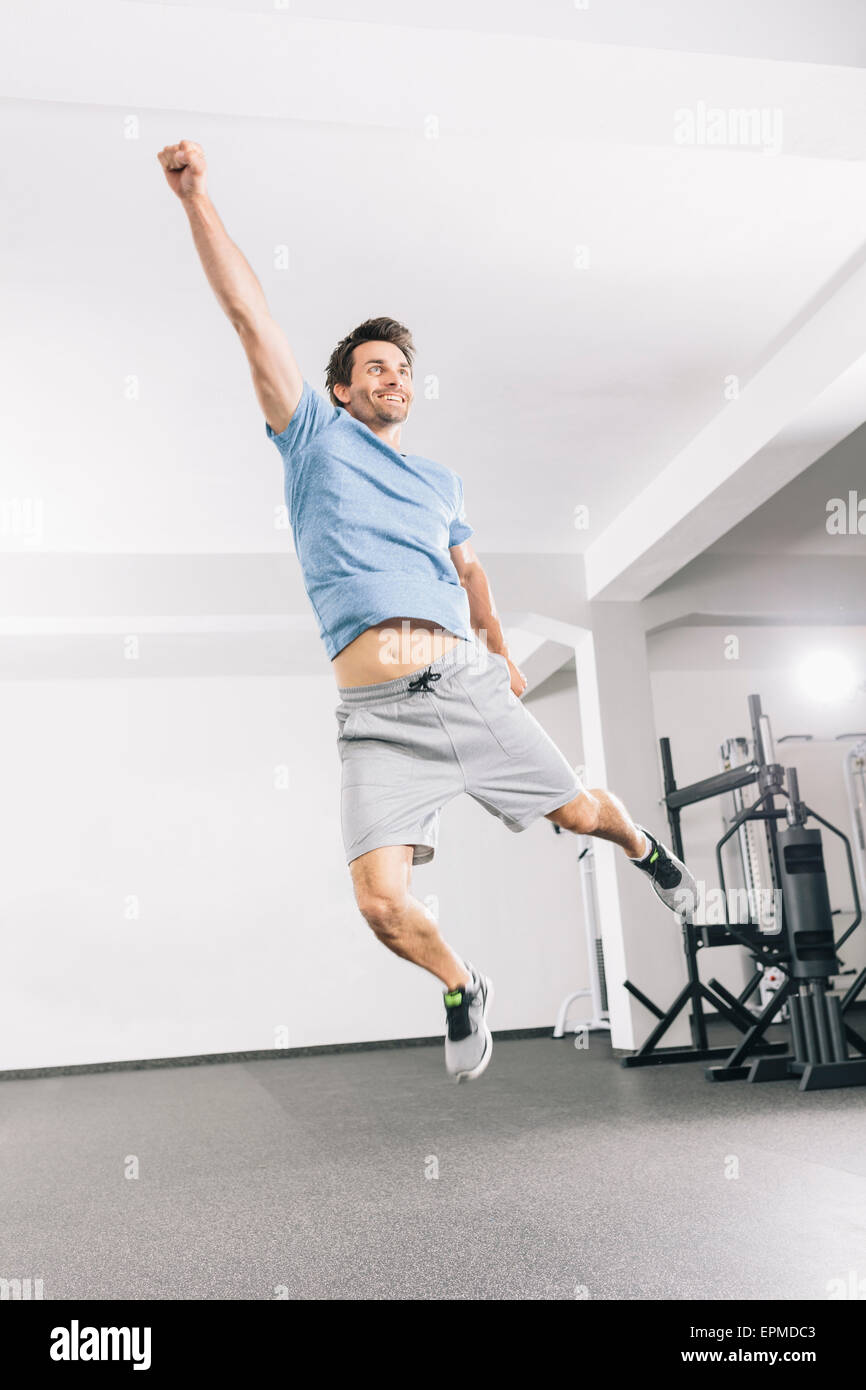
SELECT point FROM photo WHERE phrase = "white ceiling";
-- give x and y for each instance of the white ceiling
(799, 520)
(557, 386)
(809, 31)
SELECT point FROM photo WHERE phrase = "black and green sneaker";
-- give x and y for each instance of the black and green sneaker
(670, 878)
(468, 1041)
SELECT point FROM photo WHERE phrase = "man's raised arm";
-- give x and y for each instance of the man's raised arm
(276, 376)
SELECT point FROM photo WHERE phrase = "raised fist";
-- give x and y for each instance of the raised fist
(185, 168)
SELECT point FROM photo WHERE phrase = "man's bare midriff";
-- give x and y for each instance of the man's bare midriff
(390, 649)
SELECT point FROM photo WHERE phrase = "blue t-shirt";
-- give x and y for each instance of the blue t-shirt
(372, 527)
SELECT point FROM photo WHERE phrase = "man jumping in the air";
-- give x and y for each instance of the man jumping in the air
(430, 701)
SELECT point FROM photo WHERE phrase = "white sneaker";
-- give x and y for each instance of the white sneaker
(468, 1040)
(670, 878)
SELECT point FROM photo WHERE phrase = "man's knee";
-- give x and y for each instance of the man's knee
(383, 911)
(381, 879)
(582, 815)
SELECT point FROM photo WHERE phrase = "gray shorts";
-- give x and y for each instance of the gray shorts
(406, 752)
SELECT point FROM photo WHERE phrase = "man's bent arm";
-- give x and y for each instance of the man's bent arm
(276, 376)
(482, 609)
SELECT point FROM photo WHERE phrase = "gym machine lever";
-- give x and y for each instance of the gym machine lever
(802, 946)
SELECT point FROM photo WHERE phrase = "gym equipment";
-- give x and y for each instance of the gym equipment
(854, 772)
(799, 941)
(739, 771)
(597, 991)
(750, 863)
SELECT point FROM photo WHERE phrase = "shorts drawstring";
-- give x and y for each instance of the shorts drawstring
(423, 681)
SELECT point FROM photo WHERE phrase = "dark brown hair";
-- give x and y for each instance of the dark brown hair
(339, 369)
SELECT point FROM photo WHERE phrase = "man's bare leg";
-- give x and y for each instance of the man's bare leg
(600, 813)
(403, 924)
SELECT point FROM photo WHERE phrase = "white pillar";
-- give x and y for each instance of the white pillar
(641, 937)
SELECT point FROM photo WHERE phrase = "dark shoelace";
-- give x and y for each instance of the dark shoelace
(664, 871)
(456, 1012)
(457, 1016)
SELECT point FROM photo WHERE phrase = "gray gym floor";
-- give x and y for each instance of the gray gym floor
(558, 1171)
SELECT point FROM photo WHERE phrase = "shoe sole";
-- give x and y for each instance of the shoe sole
(488, 1051)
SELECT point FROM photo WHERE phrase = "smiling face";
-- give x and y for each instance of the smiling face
(381, 391)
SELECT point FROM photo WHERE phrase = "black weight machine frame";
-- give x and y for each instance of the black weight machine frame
(805, 956)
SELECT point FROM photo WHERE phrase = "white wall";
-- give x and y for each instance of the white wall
(700, 697)
(163, 790)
